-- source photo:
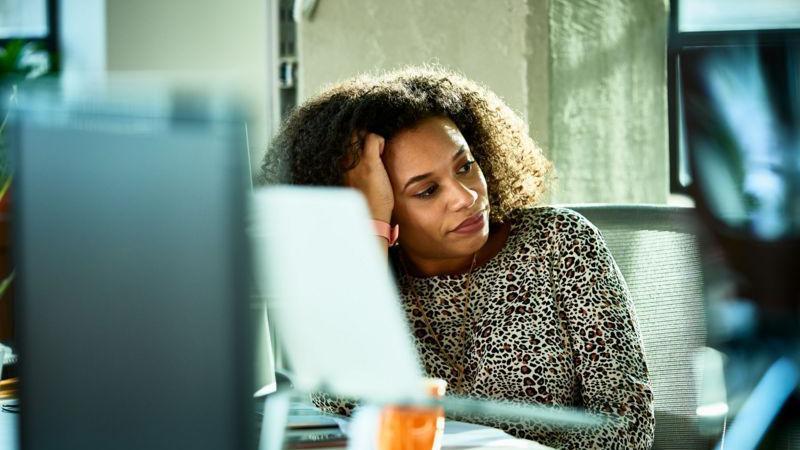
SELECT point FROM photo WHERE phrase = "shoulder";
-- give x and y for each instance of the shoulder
(558, 231)
(560, 221)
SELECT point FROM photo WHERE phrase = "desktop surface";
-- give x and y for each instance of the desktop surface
(458, 435)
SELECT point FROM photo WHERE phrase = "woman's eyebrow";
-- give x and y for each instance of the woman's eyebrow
(460, 151)
(421, 177)
(416, 178)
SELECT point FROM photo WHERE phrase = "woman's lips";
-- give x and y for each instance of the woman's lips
(471, 225)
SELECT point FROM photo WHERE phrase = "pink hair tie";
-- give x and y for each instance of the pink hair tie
(386, 231)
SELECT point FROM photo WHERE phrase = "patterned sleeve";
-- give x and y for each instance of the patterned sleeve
(596, 306)
(333, 405)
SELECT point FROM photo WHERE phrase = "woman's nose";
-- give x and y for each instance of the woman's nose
(463, 197)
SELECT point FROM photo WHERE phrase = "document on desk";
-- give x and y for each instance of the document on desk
(303, 416)
(464, 436)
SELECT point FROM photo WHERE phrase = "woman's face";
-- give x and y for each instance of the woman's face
(440, 194)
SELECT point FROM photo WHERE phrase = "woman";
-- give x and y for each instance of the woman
(505, 300)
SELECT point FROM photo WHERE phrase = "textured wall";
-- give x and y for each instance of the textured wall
(588, 75)
(538, 71)
(483, 39)
(608, 118)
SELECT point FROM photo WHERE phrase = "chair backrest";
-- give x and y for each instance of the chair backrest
(656, 249)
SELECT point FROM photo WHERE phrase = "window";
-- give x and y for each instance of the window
(23, 19)
(30, 21)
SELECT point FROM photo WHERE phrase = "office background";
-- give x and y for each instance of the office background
(589, 77)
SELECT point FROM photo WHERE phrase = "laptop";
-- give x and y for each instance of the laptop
(335, 307)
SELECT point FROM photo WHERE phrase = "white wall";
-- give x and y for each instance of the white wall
(192, 39)
(82, 31)
(214, 37)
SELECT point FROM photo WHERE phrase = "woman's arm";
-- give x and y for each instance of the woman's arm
(595, 305)
(370, 177)
(333, 405)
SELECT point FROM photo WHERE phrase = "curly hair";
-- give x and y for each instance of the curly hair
(315, 145)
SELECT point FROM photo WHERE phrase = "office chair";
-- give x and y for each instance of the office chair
(657, 251)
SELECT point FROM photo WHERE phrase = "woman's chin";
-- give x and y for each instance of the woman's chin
(469, 244)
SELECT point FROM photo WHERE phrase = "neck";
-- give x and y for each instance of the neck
(428, 267)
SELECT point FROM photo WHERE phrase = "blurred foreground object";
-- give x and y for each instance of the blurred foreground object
(133, 268)
(413, 428)
(742, 127)
(742, 107)
(20, 61)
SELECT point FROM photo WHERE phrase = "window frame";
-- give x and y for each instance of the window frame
(50, 41)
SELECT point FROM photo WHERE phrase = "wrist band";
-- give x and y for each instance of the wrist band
(386, 231)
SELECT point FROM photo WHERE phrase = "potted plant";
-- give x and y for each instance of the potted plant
(19, 61)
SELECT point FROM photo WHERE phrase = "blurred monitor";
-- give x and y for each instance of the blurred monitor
(133, 269)
(741, 125)
(741, 108)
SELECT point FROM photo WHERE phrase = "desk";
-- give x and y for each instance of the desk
(466, 436)
(458, 436)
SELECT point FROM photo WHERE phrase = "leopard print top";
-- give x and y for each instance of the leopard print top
(549, 321)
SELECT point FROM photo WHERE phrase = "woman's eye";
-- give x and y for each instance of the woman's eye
(427, 192)
(466, 167)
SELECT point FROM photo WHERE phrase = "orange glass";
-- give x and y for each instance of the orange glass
(413, 428)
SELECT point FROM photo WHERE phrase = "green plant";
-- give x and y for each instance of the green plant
(19, 60)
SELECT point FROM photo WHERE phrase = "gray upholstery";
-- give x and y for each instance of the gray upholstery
(656, 249)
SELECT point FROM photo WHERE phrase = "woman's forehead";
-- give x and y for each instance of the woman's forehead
(431, 136)
(428, 147)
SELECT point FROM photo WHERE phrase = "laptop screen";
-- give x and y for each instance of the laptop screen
(331, 296)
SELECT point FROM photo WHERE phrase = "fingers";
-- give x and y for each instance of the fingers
(373, 146)
(370, 177)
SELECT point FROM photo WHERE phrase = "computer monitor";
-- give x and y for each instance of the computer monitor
(741, 125)
(130, 206)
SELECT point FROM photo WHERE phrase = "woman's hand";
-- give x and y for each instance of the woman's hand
(370, 177)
